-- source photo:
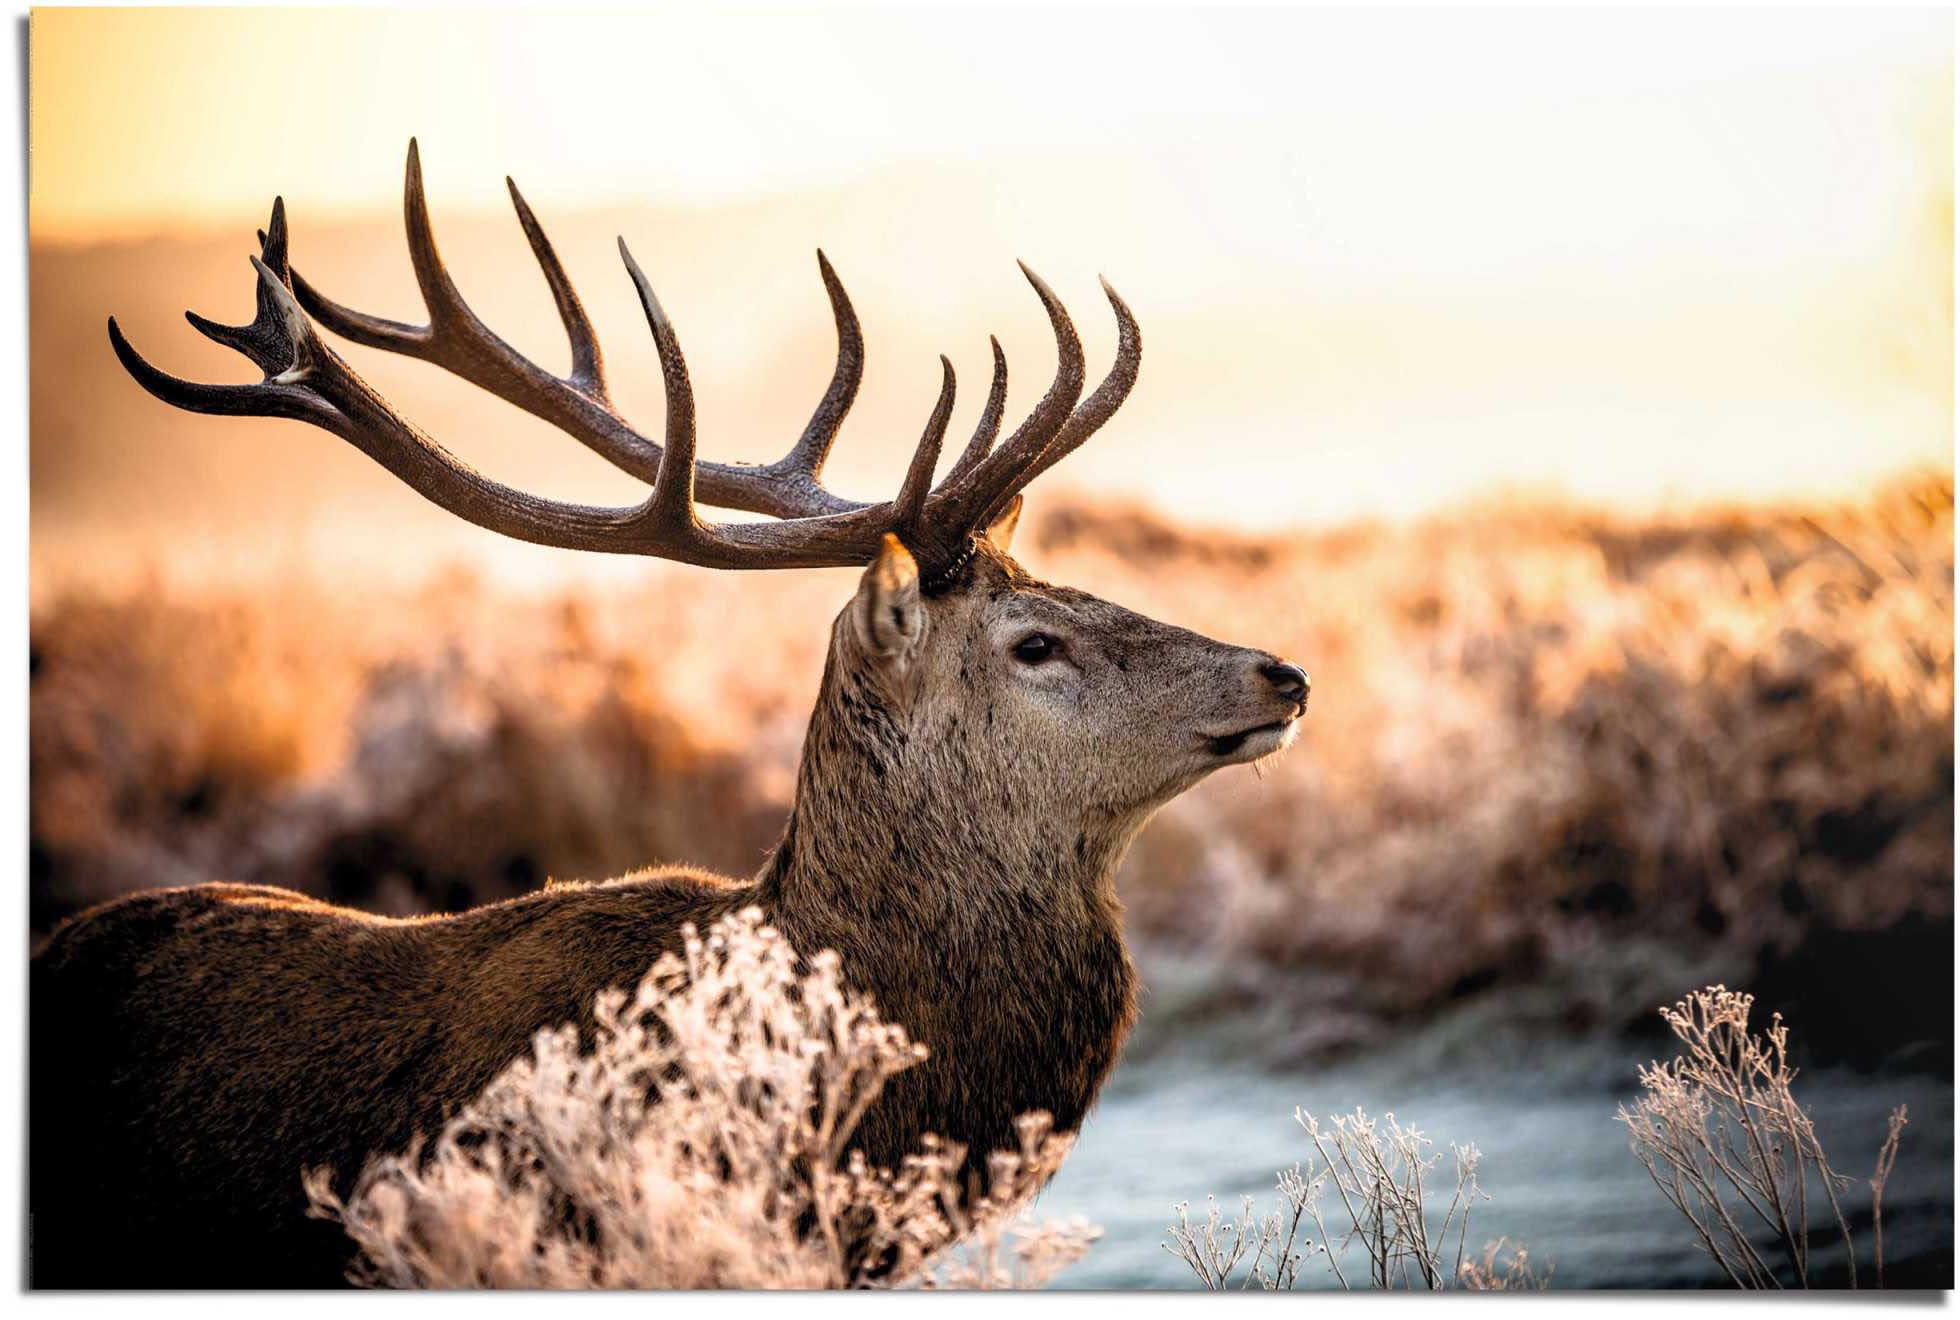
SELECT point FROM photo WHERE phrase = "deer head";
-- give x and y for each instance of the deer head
(1058, 719)
(952, 667)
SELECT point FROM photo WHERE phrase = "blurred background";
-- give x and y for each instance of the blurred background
(1571, 392)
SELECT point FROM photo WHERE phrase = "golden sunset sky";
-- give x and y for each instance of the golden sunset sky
(1385, 261)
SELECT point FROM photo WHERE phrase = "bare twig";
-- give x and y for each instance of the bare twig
(1888, 1154)
(1721, 1133)
(1379, 1172)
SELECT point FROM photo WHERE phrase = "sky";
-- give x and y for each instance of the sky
(1386, 259)
(707, 103)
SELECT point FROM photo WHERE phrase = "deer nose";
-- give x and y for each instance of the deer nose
(1290, 681)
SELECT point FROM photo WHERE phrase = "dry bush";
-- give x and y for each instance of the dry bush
(1727, 1144)
(454, 748)
(1539, 734)
(1377, 1170)
(703, 1140)
(155, 721)
(1214, 1248)
(1382, 1177)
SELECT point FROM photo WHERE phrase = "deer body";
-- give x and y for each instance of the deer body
(984, 748)
(325, 1035)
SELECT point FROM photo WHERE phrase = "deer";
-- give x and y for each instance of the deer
(984, 748)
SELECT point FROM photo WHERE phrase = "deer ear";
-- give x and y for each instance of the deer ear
(887, 615)
(1000, 532)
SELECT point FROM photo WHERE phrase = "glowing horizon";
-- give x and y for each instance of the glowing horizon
(1386, 261)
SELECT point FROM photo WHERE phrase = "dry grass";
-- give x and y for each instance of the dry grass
(1718, 1128)
(1535, 732)
(1724, 1139)
(1378, 1170)
(701, 1140)
(1382, 1178)
(1499, 1272)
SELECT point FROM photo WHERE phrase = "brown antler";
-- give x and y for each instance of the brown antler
(306, 380)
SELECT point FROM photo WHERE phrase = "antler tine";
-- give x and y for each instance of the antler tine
(806, 457)
(238, 338)
(440, 295)
(261, 339)
(909, 508)
(1101, 405)
(588, 365)
(671, 506)
(418, 341)
(989, 425)
(299, 334)
(992, 480)
(261, 400)
(1067, 386)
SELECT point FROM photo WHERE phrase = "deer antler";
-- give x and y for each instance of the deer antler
(306, 380)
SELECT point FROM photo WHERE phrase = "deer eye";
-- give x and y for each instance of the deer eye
(1035, 647)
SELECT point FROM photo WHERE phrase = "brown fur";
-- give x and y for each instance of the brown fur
(958, 821)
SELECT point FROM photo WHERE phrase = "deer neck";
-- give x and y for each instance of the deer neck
(892, 828)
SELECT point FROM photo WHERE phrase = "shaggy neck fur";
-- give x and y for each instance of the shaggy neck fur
(926, 870)
(893, 823)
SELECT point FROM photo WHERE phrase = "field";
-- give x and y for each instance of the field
(1547, 746)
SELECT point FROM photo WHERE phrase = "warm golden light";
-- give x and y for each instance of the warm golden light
(1567, 391)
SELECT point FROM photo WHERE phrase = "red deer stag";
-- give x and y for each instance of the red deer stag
(984, 748)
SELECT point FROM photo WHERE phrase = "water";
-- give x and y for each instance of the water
(1181, 1120)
